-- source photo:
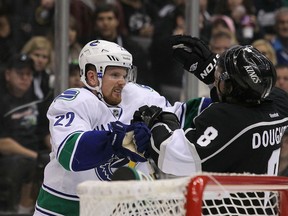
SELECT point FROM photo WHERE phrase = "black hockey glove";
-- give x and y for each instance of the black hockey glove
(162, 124)
(147, 114)
(162, 130)
(131, 141)
(195, 56)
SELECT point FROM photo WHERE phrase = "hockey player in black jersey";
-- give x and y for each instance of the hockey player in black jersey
(239, 132)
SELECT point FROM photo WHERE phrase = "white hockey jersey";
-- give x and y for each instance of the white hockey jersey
(78, 152)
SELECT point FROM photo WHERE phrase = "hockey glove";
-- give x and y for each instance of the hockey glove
(195, 56)
(167, 123)
(147, 114)
(130, 141)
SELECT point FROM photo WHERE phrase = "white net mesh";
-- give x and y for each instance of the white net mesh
(168, 197)
(163, 197)
(244, 203)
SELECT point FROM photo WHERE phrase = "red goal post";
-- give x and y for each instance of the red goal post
(202, 194)
(235, 183)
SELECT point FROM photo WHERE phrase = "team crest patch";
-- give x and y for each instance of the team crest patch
(94, 43)
(69, 95)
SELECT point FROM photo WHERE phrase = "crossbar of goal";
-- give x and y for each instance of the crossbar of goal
(201, 194)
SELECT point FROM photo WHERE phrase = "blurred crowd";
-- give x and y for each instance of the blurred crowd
(142, 27)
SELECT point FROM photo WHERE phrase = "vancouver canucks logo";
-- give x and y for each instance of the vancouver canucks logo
(69, 94)
(94, 43)
(105, 171)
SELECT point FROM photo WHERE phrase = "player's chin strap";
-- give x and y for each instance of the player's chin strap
(96, 88)
(98, 93)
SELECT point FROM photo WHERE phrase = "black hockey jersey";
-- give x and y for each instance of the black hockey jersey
(229, 138)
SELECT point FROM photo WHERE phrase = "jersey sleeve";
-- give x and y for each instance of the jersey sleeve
(76, 144)
(178, 156)
(187, 111)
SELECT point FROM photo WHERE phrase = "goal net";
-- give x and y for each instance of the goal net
(203, 194)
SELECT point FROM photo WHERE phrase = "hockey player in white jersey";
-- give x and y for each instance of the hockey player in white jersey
(88, 126)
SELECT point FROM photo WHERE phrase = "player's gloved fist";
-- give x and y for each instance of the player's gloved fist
(124, 143)
(142, 135)
(195, 56)
(147, 114)
(162, 130)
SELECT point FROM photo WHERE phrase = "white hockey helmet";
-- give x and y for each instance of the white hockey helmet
(101, 54)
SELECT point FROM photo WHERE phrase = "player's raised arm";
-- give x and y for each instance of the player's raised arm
(195, 56)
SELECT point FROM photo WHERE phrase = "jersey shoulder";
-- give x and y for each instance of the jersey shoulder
(75, 98)
(193, 108)
(280, 100)
(142, 94)
(135, 89)
(222, 112)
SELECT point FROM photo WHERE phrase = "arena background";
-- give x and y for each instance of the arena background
(191, 84)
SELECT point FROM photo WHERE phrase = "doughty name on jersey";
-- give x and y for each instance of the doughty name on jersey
(268, 137)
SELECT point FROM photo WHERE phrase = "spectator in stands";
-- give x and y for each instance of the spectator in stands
(74, 78)
(221, 41)
(167, 73)
(265, 12)
(21, 135)
(243, 15)
(8, 48)
(139, 17)
(106, 28)
(266, 48)
(74, 46)
(31, 18)
(44, 18)
(282, 77)
(280, 42)
(204, 21)
(283, 162)
(39, 49)
(83, 13)
(222, 23)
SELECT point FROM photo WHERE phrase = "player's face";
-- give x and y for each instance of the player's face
(113, 82)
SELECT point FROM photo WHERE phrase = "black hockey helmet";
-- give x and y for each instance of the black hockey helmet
(252, 75)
